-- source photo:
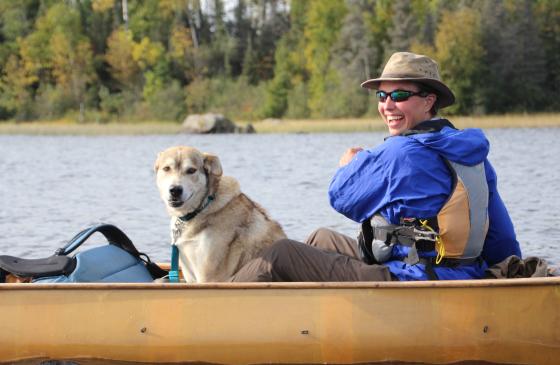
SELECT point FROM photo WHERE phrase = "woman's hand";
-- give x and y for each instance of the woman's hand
(349, 155)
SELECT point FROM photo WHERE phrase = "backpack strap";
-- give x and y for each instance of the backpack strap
(113, 235)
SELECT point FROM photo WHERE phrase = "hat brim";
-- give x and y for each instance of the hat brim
(445, 95)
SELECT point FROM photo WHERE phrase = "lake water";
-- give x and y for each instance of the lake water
(51, 187)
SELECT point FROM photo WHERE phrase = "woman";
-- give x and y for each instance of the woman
(426, 197)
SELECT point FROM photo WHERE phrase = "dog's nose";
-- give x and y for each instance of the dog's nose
(176, 191)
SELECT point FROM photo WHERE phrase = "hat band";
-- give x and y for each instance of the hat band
(407, 76)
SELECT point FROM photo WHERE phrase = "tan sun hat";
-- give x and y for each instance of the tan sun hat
(406, 66)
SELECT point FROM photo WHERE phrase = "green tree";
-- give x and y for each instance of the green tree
(547, 14)
(59, 55)
(290, 74)
(15, 22)
(222, 45)
(270, 24)
(242, 33)
(514, 59)
(119, 55)
(16, 96)
(182, 54)
(403, 29)
(530, 59)
(352, 57)
(72, 65)
(151, 19)
(276, 101)
(459, 53)
(321, 32)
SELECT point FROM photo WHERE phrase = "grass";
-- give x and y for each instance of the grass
(270, 125)
(375, 124)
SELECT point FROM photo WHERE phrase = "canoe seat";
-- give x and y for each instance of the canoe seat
(34, 268)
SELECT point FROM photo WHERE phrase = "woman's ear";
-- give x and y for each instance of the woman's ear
(431, 99)
(212, 164)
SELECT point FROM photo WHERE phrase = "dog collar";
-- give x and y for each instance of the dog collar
(187, 217)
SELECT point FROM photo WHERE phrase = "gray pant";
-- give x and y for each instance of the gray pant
(326, 256)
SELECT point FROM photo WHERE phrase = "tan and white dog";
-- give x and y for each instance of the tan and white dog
(216, 227)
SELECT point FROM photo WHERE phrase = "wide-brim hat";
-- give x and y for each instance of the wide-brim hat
(406, 66)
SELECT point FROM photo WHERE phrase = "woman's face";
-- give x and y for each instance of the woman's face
(402, 115)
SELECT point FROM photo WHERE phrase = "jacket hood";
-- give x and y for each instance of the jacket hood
(467, 146)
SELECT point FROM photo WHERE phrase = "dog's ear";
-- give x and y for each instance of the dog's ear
(212, 164)
(156, 164)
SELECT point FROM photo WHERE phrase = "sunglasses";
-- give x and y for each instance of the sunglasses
(398, 95)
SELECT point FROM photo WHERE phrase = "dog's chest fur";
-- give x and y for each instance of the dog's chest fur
(201, 251)
(224, 236)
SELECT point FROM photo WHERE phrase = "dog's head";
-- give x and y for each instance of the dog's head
(185, 177)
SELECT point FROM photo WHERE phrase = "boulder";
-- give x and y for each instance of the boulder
(208, 123)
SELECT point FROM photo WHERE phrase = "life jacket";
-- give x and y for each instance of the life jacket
(456, 234)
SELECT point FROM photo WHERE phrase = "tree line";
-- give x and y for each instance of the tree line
(105, 60)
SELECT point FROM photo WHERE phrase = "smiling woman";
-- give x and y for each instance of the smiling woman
(430, 177)
(426, 198)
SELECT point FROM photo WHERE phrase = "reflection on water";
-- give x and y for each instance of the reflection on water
(52, 187)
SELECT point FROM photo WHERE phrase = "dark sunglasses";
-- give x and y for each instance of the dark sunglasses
(398, 95)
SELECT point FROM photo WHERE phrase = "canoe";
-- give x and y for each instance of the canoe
(515, 321)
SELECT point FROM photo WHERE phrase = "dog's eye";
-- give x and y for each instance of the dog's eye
(166, 168)
(190, 171)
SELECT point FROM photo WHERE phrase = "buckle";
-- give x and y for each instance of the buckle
(424, 235)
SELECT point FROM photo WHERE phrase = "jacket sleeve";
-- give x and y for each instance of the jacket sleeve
(358, 186)
(399, 178)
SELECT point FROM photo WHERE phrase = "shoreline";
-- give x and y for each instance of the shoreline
(269, 126)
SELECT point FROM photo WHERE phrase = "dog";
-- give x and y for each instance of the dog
(216, 227)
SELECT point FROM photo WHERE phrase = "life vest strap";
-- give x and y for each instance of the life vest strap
(406, 235)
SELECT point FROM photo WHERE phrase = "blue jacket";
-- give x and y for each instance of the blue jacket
(406, 177)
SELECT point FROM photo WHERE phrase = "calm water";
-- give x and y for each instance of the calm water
(52, 187)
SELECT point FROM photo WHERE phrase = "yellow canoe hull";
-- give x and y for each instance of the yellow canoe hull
(514, 321)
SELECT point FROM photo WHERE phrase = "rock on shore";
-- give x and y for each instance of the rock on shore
(212, 123)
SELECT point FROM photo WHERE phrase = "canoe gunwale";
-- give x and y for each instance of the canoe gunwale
(293, 285)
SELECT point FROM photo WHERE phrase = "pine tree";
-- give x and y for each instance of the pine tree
(499, 60)
(548, 20)
(514, 57)
(353, 55)
(289, 68)
(403, 28)
(530, 66)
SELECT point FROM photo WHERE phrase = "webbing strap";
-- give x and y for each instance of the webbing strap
(429, 264)
(174, 272)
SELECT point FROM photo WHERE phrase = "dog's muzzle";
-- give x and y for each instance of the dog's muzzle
(175, 194)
